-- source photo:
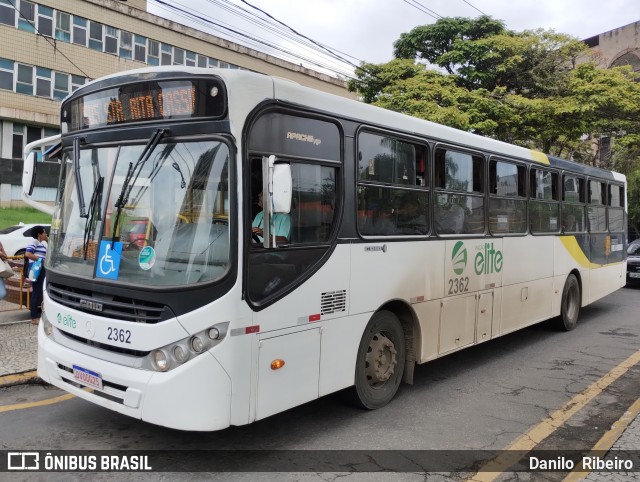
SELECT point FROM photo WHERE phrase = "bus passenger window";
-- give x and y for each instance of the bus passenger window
(507, 202)
(459, 210)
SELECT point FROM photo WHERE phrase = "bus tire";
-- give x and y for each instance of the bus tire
(380, 361)
(570, 305)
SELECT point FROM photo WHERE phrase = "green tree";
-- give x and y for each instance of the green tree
(430, 42)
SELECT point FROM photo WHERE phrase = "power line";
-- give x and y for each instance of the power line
(233, 32)
(47, 39)
(473, 6)
(299, 34)
(277, 29)
(274, 28)
(418, 6)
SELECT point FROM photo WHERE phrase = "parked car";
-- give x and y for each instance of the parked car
(633, 261)
(15, 239)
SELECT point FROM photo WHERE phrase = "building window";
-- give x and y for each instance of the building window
(43, 82)
(80, 31)
(111, 40)
(27, 17)
(60, 86)
(76, 82)
(24, 83)
(165, 58)
(33, 134)
(191, 59)
(18, 141)
(95, 36)
(213, 62)
(45, 21)
(140, 50)
(202, 61)
(6, 74)
(7, 13)
(178, 56)
(223, 65)
(153, 55)
(63, 26)
(126, 46)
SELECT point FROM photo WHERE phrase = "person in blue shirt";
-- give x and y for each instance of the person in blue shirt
(280, 222)
(37, 250)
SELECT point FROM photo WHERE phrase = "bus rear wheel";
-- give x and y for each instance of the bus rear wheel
(380, 361)
(571, 300)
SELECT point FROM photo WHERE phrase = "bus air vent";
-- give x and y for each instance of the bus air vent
(333, 302)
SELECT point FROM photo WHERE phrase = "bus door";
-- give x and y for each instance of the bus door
(292, 267)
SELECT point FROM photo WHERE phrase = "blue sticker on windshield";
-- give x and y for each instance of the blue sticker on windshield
(109, 260)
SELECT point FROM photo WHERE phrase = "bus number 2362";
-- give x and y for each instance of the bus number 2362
(458, 285)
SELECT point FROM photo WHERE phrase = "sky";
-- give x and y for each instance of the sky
(364, 30)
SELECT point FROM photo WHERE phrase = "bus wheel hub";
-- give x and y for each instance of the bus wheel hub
(381, 359)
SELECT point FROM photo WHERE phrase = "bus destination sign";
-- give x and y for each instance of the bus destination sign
(145, 101)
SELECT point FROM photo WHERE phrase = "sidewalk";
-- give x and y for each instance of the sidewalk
(18, 346)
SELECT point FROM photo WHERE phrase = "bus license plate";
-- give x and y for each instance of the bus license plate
(87, 377)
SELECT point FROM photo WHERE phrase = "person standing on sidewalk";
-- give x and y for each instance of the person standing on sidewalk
(36, 250)
(3, 288)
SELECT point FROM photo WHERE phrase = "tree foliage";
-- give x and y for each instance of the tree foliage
(536, 89)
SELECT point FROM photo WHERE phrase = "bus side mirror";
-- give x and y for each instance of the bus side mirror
(282, 188)
(29, 173)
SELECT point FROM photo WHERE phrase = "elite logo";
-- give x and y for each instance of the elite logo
(459, 258)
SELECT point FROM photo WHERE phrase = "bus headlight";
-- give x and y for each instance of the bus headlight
(171, 356)
(160, 360)
(181, 354)
(46, 324)
(197, 344)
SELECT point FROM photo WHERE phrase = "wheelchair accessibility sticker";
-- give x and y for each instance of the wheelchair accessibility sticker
(109, 260)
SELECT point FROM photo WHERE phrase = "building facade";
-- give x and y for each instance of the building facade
(49, 48)
(617, 47)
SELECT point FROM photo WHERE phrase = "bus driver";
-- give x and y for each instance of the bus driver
(281, 223)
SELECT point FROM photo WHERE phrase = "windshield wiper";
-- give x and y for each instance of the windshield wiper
(94, 205)
(127, 185)
(78, 179)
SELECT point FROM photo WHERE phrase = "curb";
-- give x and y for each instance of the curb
(30, 376)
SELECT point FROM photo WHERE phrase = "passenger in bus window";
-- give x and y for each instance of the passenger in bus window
(569, 224)
(449, 216)
(281, 222)
(411, 215)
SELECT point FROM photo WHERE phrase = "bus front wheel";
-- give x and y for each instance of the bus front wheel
(380, 361)
(570, 307)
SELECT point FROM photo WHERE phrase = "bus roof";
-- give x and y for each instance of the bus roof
(294, 93)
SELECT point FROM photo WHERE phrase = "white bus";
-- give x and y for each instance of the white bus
(227, 245)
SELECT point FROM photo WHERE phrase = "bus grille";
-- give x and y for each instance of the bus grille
(103, 346)
(125, 309)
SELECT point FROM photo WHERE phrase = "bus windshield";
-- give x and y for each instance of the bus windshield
(170, 227)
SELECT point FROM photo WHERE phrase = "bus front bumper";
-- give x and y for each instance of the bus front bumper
(194, 396)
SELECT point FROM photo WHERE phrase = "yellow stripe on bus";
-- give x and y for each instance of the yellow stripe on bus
(540, 157)
(574, 249)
